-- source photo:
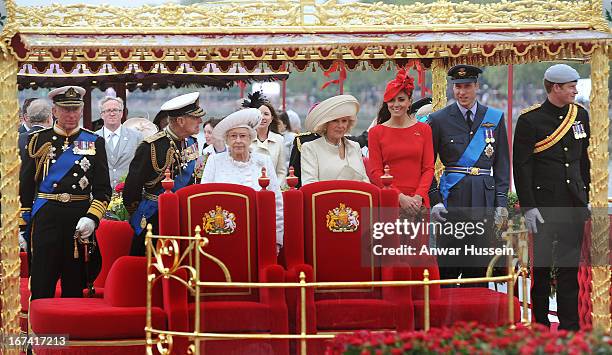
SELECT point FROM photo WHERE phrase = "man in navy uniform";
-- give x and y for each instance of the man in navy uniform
(551, 174)
(172, 148)
(471, 141)
(64, 190)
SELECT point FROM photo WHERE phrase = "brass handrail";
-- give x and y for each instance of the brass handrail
(165, 336)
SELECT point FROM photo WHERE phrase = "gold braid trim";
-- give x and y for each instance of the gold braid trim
(160, 170)
(41, 156)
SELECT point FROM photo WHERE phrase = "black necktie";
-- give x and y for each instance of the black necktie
(468, 118)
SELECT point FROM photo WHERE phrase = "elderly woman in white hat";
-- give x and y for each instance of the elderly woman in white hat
(239, 164)
(332, 156)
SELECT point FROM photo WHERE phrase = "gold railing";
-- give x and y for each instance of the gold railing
(168, 248)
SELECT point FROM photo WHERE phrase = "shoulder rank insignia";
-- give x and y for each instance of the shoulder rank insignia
(156, 136)
(342, 219)
(219, 221)
(530, 108)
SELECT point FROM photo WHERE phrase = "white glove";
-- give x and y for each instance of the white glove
(532, 216)
(85, 227)
(22, 242)
(437, 211)
(501, 215)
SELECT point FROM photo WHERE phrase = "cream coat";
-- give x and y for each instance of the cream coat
(274, 148)
(320, 161)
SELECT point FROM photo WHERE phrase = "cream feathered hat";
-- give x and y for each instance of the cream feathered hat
(331, 109)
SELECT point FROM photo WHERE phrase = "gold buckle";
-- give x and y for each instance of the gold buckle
(63, 197)
(474, 171)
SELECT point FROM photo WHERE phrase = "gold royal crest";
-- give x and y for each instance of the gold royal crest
(219, 221)
(342, 219)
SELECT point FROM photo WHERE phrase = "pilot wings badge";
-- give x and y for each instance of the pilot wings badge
(342, 219)
(219, 221)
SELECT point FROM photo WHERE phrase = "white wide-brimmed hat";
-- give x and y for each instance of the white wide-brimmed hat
(142, 125)
(246, 118)
(331, 109)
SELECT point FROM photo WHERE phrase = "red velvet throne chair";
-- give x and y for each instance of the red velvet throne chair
(113, 324)
(326, 227)
(243, 242)
(114, 240)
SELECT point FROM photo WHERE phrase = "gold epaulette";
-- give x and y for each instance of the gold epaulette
(579, 105)
(156, 136)
(530, 108)
(40, 130)
(299, 142)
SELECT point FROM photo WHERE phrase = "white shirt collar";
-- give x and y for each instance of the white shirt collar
(108, 133)
(464, 110)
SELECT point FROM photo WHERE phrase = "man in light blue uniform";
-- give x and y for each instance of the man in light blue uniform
(471, 141)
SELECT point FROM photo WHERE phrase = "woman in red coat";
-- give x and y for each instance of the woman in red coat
(403, 144)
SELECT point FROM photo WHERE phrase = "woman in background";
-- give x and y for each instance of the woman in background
(268, 141)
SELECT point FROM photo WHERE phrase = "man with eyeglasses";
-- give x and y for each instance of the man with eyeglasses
(172, 148)
(121, 142)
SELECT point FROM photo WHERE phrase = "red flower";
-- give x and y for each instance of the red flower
(119, 187)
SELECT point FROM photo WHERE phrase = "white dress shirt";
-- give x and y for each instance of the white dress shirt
(112, 137)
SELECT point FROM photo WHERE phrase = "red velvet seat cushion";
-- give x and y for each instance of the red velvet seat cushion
(233, 317)
(91, 318)
(348, 314)
(466, 304)
(114, 240)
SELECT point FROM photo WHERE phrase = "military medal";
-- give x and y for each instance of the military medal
(489, 151)
(489, 135)
(83, 183)
(578, 129)
(85, 164)
(143, 223)
(65, 145)
(84, 148)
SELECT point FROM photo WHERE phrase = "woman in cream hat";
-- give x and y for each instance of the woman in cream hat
(332, 156)
(268, 140)
(239, 164)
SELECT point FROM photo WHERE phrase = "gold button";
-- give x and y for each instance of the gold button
(537, 187)
(74, 186)
(55, 185)
(75, 174)
(567, 181)
(54, 137)
(565, 148)
(560, 117)
(53, 161)
(452, 141)
(566, 165)
(471, 132)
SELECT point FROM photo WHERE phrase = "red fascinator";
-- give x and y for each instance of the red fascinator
(402, 81)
